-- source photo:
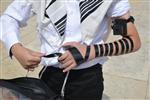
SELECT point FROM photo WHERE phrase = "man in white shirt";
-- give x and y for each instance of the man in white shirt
(76, 32)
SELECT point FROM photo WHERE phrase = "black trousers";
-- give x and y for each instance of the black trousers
(84, 84)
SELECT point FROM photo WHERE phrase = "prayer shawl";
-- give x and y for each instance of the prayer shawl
(54, 12)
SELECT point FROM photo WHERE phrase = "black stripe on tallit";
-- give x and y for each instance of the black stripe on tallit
(50, 4)
(60, 20)
(60, 25)
(45, 14)
(90, 9)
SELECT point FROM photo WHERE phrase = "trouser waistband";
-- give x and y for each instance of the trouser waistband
(77, 71)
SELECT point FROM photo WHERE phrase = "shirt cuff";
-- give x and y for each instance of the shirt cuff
(10, 42)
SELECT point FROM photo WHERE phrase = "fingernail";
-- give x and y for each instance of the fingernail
(64, 71)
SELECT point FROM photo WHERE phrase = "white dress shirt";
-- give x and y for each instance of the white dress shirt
(17, 14)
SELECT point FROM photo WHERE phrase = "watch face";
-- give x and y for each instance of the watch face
(8, 94)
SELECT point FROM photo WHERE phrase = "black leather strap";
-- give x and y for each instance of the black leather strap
(122, 46)
(96, 50)
(131, 42)
(106, 49)
(101, 50)
(53, 55)
(117, 48)
(76, 55)
(87, 53)
(120, 26)
(131, 19)
(111, 46)
(126, 44)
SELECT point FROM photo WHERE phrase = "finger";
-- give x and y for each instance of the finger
(65, 65)
(28, 68)
(37, 54)
(35, 59)
(34, 63)
(31, 66)
(31, 69)
(69, 68)
(64, 56)
(66, 60)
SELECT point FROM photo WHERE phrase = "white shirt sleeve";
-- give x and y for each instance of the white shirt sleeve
(15, 16)
(118, 8)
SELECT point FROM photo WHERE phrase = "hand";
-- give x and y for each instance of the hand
(67, 60)
(26, 57)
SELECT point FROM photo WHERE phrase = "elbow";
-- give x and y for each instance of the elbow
(137, 45)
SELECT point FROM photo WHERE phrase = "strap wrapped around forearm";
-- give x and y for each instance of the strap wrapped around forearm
(122, 46)
(87, 53)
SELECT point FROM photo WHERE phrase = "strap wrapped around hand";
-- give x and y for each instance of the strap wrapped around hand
(78, 56)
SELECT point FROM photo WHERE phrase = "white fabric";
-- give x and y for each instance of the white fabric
(20, 11)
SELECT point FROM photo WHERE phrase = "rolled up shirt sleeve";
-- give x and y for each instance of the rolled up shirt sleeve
(118, 8)
(15, 17)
